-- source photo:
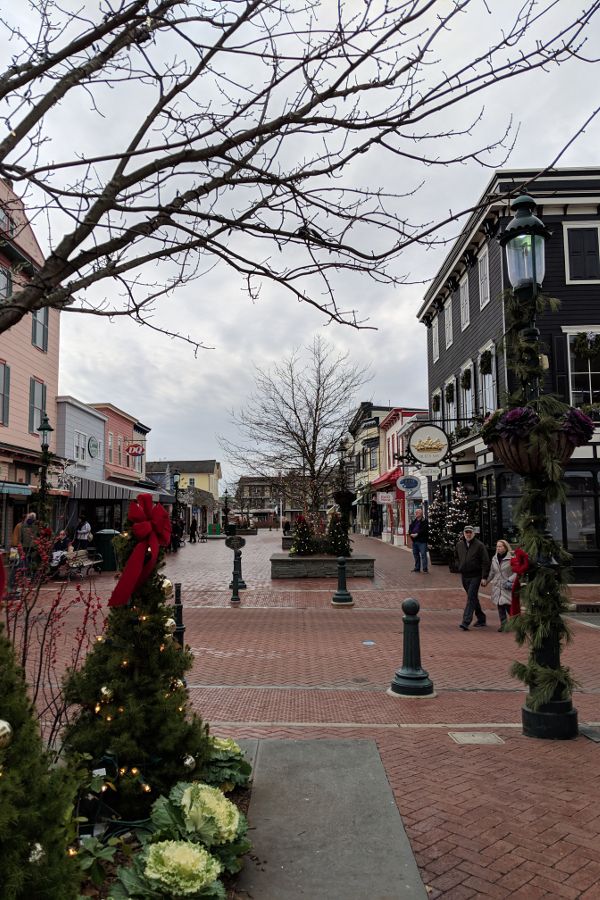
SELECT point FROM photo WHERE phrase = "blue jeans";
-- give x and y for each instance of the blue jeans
(471, 586)
(420, 553)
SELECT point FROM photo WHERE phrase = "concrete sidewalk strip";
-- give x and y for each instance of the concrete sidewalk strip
(325, 825)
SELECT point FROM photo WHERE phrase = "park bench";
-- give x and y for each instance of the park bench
(80, 563)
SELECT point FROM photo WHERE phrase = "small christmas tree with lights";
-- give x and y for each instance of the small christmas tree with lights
(302, 545)
(134, 719)
(457, 516)
(436, 516)
(36, 799)
(338, 542)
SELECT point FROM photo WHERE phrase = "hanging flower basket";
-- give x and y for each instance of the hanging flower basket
(527, 459)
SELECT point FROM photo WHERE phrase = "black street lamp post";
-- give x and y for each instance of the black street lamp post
(45, 429)
(226, 509)
(176, 480)
(524, 239)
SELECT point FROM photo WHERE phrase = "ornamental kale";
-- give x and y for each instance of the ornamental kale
(515, 424)
(578, 427)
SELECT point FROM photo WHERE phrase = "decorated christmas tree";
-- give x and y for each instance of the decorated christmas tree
(457, 516)
(436, 517)
(302, 545)
(338, 542)
(36, 800)
(134, 719)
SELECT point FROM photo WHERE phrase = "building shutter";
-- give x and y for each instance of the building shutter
(559, 367)
(584, 262)
(31, 404)
(43, 400)
(6, 395)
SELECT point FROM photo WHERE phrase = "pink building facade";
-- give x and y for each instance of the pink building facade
(28, 370)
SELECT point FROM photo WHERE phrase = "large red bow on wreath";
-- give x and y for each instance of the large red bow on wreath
(151, 528)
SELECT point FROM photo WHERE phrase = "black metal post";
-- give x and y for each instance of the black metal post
(237, 567)
(178, 615)
(235, 596)
(342, 597)
(411, 680)
(226, 511)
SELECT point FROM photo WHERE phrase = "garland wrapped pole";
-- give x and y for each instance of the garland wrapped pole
(535, 436)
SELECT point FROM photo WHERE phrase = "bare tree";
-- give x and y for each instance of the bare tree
(291, 427)
(159, 139)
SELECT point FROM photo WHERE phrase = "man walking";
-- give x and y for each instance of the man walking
(419, 533)
(473, 563)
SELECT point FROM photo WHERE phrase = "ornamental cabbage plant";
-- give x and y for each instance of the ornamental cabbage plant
(208, 812)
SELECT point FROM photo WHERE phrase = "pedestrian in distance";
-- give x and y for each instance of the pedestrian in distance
(419, 534)
(473, 563)
(502, 579)
(193, 530)
(83, 533)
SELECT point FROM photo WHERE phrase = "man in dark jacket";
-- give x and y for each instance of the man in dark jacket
(419, 533)
(473, 563)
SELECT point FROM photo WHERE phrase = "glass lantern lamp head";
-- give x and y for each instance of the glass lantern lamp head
(176, 478)
(45, 430)
(524, 238)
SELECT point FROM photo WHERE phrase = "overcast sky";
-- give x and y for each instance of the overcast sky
(187, 401)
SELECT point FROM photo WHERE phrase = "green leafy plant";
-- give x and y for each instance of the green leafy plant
(586, 344)
(465, 380)
(449, 392)
(225, 766)
(170, 869)
(93, 855)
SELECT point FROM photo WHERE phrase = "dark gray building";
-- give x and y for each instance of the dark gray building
(463, 310)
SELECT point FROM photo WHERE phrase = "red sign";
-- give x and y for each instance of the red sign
(135, 450)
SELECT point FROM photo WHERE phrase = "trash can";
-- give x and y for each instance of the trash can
(104, 544)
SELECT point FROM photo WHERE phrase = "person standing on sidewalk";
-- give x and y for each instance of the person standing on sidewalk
(502, 579)
(473, 563)
(419, 533)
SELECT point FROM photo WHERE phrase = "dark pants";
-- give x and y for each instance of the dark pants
(503, 612)
(471, 586)
(420, 553)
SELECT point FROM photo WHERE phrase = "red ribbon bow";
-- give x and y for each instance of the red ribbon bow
(520, 562)
(151, 528)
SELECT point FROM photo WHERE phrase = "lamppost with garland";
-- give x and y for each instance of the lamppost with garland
(541, 625)
(176, 480)
(225, 509)
(45, 429)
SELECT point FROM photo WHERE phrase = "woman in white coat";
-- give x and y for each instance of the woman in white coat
(501, 579)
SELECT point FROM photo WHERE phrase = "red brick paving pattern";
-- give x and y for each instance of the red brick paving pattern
(520, 819)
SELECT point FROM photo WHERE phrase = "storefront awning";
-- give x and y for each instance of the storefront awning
(388, 478)
(9, 487)
(87, 489)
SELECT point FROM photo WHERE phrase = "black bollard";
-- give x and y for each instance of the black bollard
(235, 597)
(178, 615)
(237, 567)
(411, 680)
(342, 596)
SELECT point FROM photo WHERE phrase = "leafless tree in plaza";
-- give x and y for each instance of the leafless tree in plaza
(157, 140)
(292, 425)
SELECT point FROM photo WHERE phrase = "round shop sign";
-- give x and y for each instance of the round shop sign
(408, 483)
(429, 444)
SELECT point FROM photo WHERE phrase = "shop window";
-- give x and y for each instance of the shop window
(580, 511)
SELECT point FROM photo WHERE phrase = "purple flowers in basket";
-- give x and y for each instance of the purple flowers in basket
(515, 425)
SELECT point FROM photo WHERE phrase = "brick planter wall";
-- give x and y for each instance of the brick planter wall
(359, 565)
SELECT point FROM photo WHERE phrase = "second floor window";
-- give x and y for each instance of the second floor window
(466, 396)
(450, 406)
(484, 278)
(582, 254)
(487, 381)
(39, 329)
(4, 392)
(192, 482)
(585, 373)
(37, 403)
(448, 322)
(435, 338)
(80, 444)
(110, 446)
(465, 311)
(120, 450)
(373, 459)
(5, 282)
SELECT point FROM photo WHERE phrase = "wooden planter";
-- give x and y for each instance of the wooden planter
(520, 457)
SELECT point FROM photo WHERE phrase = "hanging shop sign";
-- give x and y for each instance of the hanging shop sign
(408, 483)
(385, 497)
(134, 449)
(429, 444)
(433, 471)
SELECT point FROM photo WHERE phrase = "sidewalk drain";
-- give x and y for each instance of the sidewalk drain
(475, 737)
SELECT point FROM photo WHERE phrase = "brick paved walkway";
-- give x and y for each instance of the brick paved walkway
(517, 819)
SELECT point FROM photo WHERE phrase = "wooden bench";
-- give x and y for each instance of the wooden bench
(80, 563)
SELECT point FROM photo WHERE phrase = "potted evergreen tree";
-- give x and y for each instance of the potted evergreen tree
(436, 518)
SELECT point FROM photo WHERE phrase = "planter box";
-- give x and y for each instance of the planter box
(286, 541)
(239, 530)
(359, 565)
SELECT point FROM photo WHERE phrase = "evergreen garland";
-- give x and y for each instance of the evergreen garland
(465, 380)
(449, 392)
(134, 719)
(485, 362)
(586, 344)
(36, 800)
